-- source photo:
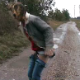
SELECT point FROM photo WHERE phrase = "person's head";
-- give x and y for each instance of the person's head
(18, 10)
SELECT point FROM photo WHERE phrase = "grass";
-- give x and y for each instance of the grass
(54, 24)
(10, 44)
(11, 39)
(77, 21)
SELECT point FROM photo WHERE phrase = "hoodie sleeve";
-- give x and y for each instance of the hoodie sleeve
(46, 30)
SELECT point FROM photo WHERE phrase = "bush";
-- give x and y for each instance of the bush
(7, 23)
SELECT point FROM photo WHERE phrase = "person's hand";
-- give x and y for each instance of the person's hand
(50, 52)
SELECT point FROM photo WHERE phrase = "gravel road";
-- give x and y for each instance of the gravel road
(64, 66)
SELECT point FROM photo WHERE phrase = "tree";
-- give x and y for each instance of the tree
(38, 7)
(66, 14)
(58, 15)
(50, 15)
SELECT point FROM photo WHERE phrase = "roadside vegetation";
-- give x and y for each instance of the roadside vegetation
(12, 40)
(54, 23)
(77, 21)
(59, 15)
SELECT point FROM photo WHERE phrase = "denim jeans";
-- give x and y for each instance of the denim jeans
(36, 66)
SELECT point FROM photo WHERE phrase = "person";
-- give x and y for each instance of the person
(40, 35)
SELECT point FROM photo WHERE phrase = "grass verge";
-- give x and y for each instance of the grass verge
(77, 21)
(10, 44)
(54, 24)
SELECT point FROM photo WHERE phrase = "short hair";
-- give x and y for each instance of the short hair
(19, 7)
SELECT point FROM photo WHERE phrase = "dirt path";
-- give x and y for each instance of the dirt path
(16, 68)
(73, 70)
(64, 66)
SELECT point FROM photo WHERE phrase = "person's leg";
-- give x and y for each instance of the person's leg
(31, 66)
(38, 68)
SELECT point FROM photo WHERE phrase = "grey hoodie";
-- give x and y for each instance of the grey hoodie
(40, 32)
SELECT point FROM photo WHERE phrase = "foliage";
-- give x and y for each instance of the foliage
(58, 15)
(66, 14)
(7, 23)
(11, 45)
(11, 39)
(38, 7)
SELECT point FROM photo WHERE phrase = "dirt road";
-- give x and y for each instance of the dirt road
(73, 69)
(64, 66)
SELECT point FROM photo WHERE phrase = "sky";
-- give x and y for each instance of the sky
(69, 5)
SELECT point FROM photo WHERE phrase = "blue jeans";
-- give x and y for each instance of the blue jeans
(36, 66)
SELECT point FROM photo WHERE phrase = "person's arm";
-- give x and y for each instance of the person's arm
(48, 34)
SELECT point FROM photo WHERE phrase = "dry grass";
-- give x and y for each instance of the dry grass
(54, 24)
(77, 21)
